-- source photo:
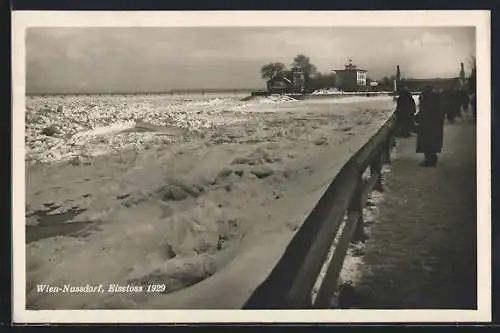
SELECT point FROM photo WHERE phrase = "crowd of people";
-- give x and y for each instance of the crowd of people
(428, 123)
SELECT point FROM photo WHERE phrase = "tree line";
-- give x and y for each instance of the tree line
(312, 78)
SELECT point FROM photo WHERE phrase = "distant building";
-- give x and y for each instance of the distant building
(351, 78)
(438, 83)
(282, 85)
(279, 85)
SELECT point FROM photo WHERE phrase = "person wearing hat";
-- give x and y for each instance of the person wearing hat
(405, 113)
(430, 123)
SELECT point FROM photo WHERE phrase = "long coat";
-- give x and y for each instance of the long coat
(465, 99)
(405, 110)
(430, 120)
(451, 101)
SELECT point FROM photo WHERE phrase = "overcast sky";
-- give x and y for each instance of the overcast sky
(155, 59)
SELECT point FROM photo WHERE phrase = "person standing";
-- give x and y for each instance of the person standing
(449, 104)
(430, 121)
(405, 113)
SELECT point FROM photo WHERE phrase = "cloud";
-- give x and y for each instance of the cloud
(428, 40)
(435, 39)
(412, 44)
(83, 84)
(76, 54)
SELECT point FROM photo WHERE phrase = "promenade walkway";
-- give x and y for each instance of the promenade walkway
(422, 249)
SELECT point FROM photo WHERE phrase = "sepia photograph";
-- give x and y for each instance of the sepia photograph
(179, 163)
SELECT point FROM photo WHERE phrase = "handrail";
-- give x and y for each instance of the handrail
(290, 284)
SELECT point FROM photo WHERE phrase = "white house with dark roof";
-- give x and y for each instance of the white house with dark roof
(351, 78)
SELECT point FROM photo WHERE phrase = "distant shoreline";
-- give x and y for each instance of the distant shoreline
(168, 92)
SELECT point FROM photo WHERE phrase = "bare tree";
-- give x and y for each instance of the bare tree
(304, 62)
(272, 69)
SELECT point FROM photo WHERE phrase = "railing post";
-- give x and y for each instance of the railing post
(356, 206)
(391, 143)
(376, 169)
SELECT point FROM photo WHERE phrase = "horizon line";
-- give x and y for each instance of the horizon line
(169, 91)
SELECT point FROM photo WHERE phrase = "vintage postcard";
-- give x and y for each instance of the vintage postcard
(207, 167)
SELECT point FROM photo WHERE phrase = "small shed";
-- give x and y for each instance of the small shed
(279, 85)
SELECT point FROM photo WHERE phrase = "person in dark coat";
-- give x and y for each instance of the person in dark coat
(405, 113)
(449, 104)
(430, 120)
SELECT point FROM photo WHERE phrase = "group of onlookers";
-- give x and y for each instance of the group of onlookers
(434, 106)
(454, 101)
